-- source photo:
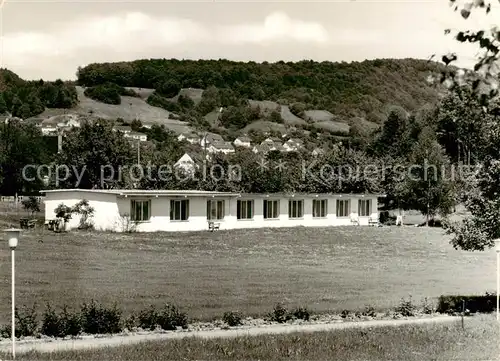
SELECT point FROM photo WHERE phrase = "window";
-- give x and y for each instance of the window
(244, 209)
(140, 210)
(271, 209)
(295, 209)
(179, 210)
(365, 207)
(320, 208)
(215, 210)
(343, 207)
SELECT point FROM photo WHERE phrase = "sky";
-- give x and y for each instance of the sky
(50, 39)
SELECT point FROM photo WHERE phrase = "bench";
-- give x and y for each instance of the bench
(27, 223)
(373, 221)
(212, 226)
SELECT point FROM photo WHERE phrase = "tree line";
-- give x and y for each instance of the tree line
(25, 99)
(357, 89)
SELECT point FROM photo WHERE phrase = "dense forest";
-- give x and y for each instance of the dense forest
(25, 99)
(358, 89)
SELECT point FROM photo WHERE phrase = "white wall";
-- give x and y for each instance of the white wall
(307, 220)
(105, 205)
(239, 143)
(160, 214)
(111, 209)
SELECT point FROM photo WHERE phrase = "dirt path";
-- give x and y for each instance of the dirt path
(49, 345)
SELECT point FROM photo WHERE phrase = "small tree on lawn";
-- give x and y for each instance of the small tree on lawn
(86, 212)
(32, 205)
(63, 214)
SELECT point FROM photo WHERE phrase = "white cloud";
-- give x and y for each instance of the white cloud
(277, 26)
(137, 32)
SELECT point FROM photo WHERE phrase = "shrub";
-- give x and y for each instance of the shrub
(171, 317)
(129, 93)
(345, 313)
(97, 319)
(369, 311)
(71, 323)
(148, 319)
(279, 314)
(26, 321)
(130, 322)
(51, 323)
(427, 306)
(127, 224)
(406, 308)
(454, 303)
(301, 313)
(64, 212)
(168, 88)
(5, 331)
(60, 325)
(32, 205)
(275, 117)
(232, 318)
(108, 93)
(185, 102)
(157, 100)
(297, 109)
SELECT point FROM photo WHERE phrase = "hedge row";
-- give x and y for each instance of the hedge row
(95, 318)
(92, 318)
(473, 304)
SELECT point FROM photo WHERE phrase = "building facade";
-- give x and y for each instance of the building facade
(169, 210)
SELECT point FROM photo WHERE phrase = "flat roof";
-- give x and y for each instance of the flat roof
(143, 192)
(311, 195)
(164, 192)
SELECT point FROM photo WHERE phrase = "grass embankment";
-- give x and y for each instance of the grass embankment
(477, 341)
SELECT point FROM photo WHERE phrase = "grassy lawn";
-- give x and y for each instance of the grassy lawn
(207, 274)
(477, 341)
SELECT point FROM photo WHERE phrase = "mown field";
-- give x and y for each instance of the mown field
(478, 341)
(206, 274)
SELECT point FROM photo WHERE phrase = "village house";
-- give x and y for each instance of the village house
(193, 210)
(210, 138)
(136, 136)
(220, 147)
(317, 152)
(122, 128)
(293, 144)
(49, 129)
(147, 125)
(243, 141)
(263, 148)
(191, 138)
(272, 140)
(187, 164)
(269, 145)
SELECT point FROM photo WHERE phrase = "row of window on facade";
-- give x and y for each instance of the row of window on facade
(179, 209)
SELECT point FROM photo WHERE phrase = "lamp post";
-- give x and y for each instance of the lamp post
(497, 249)
(13, 236)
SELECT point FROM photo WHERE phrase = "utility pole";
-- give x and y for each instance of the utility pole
(428, 193)
(59, 139)
(205, 147)
(138, 152)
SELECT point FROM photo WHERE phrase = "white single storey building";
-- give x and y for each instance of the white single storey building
(192, 210)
